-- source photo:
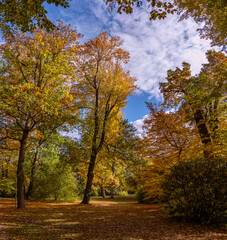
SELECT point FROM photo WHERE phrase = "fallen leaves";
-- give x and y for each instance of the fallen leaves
(100, 220)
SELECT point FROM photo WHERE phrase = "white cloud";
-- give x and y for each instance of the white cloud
(158, 46)
(154, 46)
(138, 124)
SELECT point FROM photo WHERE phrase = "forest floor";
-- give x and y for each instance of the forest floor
(121, 218)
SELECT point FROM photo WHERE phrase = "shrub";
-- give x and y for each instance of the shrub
(58, 185)
(196, 189)
(142, 197)
(7, 187)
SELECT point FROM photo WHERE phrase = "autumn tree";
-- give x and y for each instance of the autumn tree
(167, 133)
(35, 86)
(167, 139)
(123, 153)
(26, 15)
(117, 160)
(212, 13)
(201, 96)
(105, 87)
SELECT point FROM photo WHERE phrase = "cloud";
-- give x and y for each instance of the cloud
(138, 124)
(158, 46)
(154, 46)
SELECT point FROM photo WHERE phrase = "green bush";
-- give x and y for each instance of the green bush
(197, 190)
(7, 187)
(57, 185)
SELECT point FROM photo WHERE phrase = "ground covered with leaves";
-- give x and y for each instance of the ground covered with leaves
(121, 218)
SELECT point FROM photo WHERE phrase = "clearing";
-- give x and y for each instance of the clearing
(121, 218)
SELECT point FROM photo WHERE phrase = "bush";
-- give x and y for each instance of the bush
(7, 187)
(197, 190)
(142, 197)
(58, 185)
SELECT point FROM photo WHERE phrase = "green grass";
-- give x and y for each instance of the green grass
(117, 199)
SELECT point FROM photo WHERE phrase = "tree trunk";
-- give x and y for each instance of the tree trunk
(103, 192)
(20, 171)
(31, 183)
(90, 175)
(203, 132)
(113, 184)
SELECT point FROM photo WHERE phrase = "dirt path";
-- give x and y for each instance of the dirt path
(101, 220)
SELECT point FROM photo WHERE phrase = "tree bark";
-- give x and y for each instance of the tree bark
(203, 132)
(90, 175)
(103, 192)
(20, 171)
(31, 183)
(113, 184)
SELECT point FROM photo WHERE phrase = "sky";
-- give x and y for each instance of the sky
(154, 46)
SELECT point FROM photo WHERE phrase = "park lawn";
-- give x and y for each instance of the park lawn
(121, 218)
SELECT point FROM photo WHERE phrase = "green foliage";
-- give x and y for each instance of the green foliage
(58, 185)
(54, 178)
(26, 14)
(7, 187)
(197, 190)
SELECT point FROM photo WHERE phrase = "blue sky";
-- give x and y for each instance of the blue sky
(154, 46)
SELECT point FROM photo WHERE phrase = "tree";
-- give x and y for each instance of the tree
(167, 139)
(8, 160)
(212, 13)
(202, 96)
(35, 86)
(123, 153)
(105, 87)
(46, 132)
(54, 177)
(167, 134)
(26, 15)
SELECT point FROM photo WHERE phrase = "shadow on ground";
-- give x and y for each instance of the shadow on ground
(102, 219)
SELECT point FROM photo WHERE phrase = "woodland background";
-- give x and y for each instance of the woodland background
(52, 83)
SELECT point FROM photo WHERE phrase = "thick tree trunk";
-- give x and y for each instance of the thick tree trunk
(90, 175)
(31, 183)
(203, 132)
(20, 171)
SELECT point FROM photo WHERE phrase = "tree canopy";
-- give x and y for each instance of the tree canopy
(26, 15)
(35, 87)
